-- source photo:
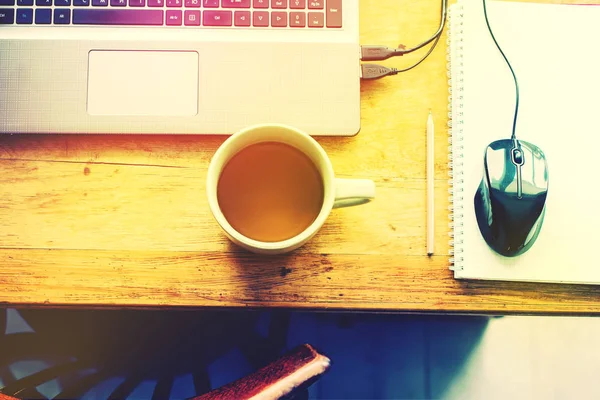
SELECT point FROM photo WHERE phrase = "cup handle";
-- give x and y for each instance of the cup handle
(353, 192)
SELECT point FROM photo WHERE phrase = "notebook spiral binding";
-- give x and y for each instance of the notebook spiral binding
(455, 72)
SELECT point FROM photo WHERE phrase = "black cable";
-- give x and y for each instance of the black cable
(435, 36)
(513, 136)
(376, 71)
(437, 39)
(378, 53)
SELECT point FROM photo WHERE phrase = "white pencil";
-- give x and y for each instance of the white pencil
(430, 178)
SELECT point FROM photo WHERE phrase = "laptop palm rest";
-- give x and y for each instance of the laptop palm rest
(151, 83)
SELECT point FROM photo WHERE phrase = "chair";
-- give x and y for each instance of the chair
(283, 378)
(276, 376)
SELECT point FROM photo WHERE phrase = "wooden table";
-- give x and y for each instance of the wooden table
(122, 221)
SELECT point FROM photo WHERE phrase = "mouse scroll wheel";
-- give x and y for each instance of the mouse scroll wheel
(517, 156)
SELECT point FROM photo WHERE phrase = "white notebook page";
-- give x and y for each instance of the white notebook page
(555, 53)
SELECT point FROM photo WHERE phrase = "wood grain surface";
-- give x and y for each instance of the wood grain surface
(122, 220)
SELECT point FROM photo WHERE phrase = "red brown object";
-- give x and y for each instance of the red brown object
(297, 369)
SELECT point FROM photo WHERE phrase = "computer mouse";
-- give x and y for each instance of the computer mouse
(510, 202)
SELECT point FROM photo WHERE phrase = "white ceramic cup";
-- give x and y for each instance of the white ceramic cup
(337, 192)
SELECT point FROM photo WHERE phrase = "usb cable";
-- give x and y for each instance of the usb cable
(377, 71)
(380, 53)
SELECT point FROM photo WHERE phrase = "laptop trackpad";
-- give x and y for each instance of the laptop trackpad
(159, 83)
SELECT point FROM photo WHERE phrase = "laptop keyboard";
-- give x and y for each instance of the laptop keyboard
(276, 14)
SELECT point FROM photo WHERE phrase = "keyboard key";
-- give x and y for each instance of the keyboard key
(43, 3)
(297, 19)
(235, 3)
(278, 3)
(279, 19)
(242, 18)
(118, 3)
(174, 17)
(24, 2)
(7, 16)
(25, 16)
(62, 3)
(297, 4)
(260, 3)
(81, 3)
(260, 18)
(174, 3)
(192, 3)
(334, 13)
(316, 20)
(191, 18)
(217, 18)
(315, 4)
(157, 3)
(211, 3)
(7, 2)
(43, 16)
(90, 16)
(62, 16)
(100, 3)
(137, 3)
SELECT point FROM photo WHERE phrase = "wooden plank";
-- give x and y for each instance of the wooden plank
(240, 279)
(71, 205)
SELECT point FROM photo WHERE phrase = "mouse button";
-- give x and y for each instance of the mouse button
(534, 171)
(535, 150)
(501, 172)
(501, 144)
(517, 156)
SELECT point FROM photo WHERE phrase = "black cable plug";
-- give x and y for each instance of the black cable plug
(379, 53)
(375, 71)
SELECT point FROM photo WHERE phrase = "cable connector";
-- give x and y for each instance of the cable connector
(380, 53)
(375, 71)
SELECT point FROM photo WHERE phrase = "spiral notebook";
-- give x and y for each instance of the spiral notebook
(553, 50)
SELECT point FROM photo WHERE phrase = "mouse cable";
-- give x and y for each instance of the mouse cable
(513, 135)
(380, 53)
(376, 71)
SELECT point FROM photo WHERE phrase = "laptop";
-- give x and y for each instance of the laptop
(178, 66)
